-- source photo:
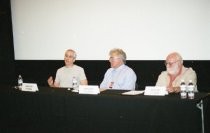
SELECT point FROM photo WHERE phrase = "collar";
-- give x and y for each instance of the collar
(119, 68)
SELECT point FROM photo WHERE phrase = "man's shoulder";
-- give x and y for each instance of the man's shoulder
(61, 68)
(189, 70)
(163, 73)
(78, 67)
(128, 68)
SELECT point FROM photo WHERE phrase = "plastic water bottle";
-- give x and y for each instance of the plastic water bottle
(74, 83)
(191, 87)
(20, 82)
(183, 90)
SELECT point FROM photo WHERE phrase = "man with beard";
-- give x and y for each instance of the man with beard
(66, 73)
(175, 72)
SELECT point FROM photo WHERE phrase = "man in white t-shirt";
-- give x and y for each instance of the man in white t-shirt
(65, 74)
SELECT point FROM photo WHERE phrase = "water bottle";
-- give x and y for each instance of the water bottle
(20, 82)
(74, 83)
(183, 90)
(191, 87)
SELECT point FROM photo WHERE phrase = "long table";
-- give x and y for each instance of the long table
(60, 110)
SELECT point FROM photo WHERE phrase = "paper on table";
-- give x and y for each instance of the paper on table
(133, 92)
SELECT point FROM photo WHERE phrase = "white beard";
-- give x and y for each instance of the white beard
(173, 70)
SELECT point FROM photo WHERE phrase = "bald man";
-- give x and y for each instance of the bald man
(175, 72)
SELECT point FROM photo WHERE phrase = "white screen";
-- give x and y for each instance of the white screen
(144, 29)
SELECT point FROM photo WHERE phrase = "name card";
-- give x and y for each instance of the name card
(155, 91)
(89, 89)
(29, 87)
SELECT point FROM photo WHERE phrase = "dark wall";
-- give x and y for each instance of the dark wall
(38, 71)
(147, 71)
(6, 44)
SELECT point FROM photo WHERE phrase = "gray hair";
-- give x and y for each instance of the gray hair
(119, 52)
(71, 50)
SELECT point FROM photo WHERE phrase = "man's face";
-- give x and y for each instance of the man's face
(173, 65)
(115, 61)
(69, 58)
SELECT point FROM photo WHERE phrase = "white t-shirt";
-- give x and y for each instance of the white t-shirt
(65, 75)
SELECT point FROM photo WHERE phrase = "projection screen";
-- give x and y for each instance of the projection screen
(144, 29)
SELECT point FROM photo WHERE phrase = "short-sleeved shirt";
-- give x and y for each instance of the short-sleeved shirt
(121, 78)
(187, 74)
(65, 75)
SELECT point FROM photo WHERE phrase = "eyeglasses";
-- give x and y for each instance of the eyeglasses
(170, 63)
(66, 56)
(114, 58)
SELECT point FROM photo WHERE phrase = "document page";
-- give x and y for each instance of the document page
(133, 92)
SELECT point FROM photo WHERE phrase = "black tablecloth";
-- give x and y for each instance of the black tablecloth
(60, 110)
